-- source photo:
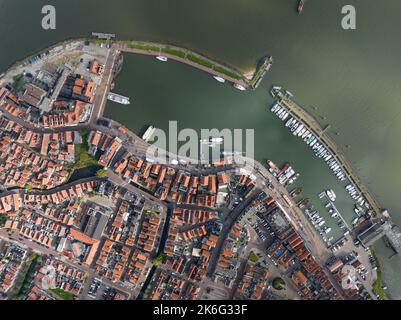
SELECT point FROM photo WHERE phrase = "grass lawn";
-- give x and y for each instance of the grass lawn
(377, 285)
(174, 52)
(82, 157)
(63, 294)
(227, 72)
(18, 81)
(199, 60)
(26, 275)
(147, 47)
(253, 257)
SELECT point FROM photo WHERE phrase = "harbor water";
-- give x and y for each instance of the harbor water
(348, 79)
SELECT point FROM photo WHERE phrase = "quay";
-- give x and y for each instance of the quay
(104, 36)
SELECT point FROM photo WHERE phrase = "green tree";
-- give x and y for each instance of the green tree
(278, 283)
(101, 173)
(160, 259)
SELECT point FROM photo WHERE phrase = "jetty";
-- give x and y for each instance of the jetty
(103, 36)
(263, 67)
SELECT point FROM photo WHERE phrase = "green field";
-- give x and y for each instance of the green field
(377, 285)
(174, 52)
(63, 294)
(82, 157)
(253, 257)
(278, 283)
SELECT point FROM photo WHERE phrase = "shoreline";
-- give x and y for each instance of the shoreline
(247, 79)
(258, 168)
(358, 181)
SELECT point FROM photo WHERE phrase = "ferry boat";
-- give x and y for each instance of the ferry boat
(162, 58)
(239, 87)
(148, 133)
(301, 6)
(118, 98)
(219, 79)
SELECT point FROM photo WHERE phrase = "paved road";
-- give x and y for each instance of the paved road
(228, 223)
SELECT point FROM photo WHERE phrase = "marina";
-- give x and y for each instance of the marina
(300, 124)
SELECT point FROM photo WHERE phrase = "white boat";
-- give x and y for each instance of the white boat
(148, 133)
(289, 94)
(332, 196)
(239, 87)
(217, 140)
(162, 58)
(117, 98)
(219, 79)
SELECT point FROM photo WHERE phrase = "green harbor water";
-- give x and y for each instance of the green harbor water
(348, 79)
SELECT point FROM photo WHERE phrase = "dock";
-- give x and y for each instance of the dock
(261, 70)
(103, 36)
